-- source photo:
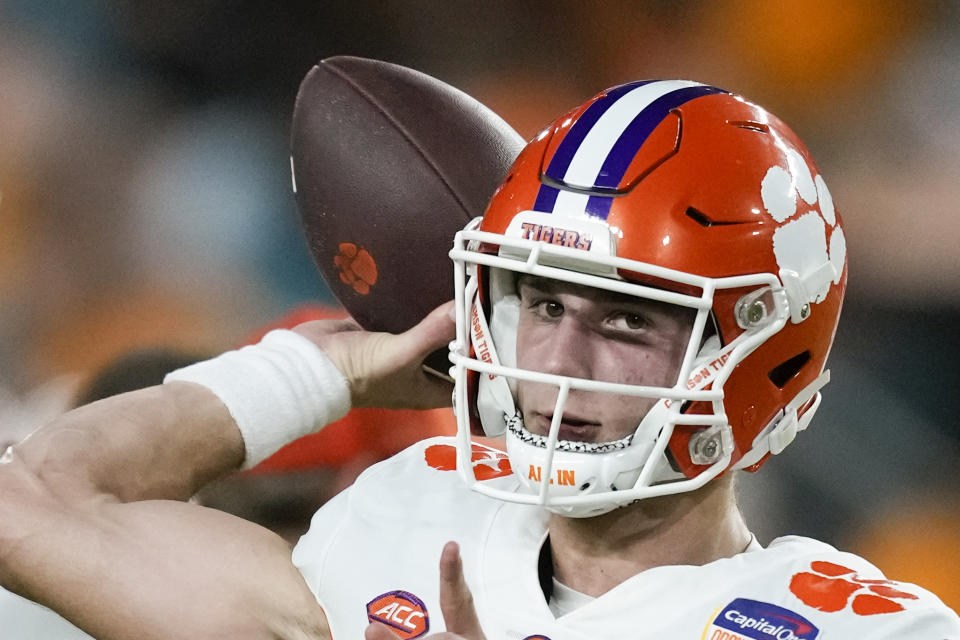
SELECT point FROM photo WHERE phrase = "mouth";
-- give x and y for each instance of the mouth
(572, 427)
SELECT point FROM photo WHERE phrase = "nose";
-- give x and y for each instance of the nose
(564, 350)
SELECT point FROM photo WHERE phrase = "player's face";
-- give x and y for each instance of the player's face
(577, 331)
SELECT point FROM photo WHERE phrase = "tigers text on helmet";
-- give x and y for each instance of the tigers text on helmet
(665, 206)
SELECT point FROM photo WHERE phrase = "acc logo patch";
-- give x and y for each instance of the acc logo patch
(745, 619)
(402, 611)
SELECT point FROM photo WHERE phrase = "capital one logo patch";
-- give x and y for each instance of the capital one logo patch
(745, 619)
(402, 611)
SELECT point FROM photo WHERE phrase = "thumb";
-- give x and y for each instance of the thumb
(430, 336)
(431, 333)
(456, 601)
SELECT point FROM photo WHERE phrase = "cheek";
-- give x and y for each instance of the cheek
(620, 415)
(533, 345)
(530, 392)
(632, 364)
(523, 344)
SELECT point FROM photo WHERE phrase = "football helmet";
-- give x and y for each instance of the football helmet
(676, 194)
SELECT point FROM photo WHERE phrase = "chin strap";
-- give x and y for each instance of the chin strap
(786, 424)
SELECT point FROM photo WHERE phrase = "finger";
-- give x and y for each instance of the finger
(456, 601)
(431, 333)
(379, 631)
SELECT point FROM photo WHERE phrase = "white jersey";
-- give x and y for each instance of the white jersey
(372, 553)
(22, 619)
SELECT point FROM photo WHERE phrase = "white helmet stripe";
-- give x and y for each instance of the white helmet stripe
(609, 128)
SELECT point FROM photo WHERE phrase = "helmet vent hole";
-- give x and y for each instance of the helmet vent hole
(699, 217)
(781, 374)
(751, 126)
(705, 221)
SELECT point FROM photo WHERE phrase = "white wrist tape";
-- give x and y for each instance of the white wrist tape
(278, 390)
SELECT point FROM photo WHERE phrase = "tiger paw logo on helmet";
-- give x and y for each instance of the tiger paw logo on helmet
(809, 245)
(829, 587)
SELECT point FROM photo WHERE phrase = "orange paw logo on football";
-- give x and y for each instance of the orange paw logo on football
(830, 587)
(357, 267)
(488, 463)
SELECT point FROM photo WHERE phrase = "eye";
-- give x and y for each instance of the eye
(628, 321)
(550, 308)
(546, 309)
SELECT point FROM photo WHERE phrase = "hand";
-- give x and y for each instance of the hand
(456, 604)
(382, 369)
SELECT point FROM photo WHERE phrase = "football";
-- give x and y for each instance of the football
(388, 164)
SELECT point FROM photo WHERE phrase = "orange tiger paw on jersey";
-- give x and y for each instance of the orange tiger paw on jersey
(828, 587)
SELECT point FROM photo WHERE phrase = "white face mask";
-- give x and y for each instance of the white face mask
(584, 475)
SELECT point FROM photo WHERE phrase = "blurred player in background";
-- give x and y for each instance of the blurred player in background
(646, 307)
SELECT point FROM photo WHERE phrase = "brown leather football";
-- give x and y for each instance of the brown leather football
(388, 164)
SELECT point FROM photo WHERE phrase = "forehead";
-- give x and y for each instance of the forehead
(593, 294)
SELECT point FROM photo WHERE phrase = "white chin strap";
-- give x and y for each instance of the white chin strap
(582, 468)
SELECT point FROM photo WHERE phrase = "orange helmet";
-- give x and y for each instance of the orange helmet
(675, 192)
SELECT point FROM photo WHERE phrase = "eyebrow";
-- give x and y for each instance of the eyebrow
(552, 286)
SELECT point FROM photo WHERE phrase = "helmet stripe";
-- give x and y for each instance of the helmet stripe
(561, 160)
(547, 196)
(598, 149)
(636, 133)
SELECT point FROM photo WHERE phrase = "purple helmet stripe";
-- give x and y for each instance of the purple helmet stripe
(546, 198)
(599, 206)
(571, 143)
(547, 195)
(637, 132)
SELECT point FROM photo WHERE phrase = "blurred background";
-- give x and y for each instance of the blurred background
(145, 200)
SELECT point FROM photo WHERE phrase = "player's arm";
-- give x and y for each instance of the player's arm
(165, 442)
(160, 442)
(84, 527)
(152, 569)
